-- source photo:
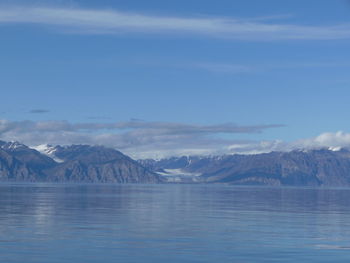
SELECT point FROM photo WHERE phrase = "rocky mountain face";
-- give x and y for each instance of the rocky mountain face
(97, 164)
(11, 169)
(85, 163)
(296, 168)
(76, 163)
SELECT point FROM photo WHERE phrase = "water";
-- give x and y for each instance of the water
(172, 223)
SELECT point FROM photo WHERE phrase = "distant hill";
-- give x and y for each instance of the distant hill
(76, 163)
(296, 168)
(98, 164)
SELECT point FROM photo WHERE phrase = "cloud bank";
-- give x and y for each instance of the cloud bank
(137, 138)
(141, 139)
(330, 140)
(92, 21)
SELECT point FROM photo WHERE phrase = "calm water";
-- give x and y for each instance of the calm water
(172, 223)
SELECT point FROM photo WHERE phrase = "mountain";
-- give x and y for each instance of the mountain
(76, 163)
(98, 164)
(175, 169)
(296, 168)
(85, 163)
(11, 169)
(32, 158)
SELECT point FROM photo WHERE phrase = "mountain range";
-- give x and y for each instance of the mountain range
(98, 164)
(75, 163)
(321, 167)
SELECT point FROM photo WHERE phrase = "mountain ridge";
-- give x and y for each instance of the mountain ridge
(322, 167)
(75, 163)
(99, 164)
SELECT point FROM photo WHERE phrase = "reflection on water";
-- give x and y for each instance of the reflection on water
(172, 223)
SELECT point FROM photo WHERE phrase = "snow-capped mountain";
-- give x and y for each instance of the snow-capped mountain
(12, 146)
(324, 167)
(85, 163)
(49, 151)
(78, 163)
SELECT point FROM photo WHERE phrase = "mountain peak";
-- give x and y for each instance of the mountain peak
(75, 163)
(48, 150)
(335, 149)
(13, 145)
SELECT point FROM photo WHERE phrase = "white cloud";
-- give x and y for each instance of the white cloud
(137, 138)
(141, 139)
(91, 21)
(335, 140)
(257, 147)
(329, 140)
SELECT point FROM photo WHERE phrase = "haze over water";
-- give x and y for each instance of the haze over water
(172, 223)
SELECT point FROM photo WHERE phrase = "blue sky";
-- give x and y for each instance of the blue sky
(203, 63)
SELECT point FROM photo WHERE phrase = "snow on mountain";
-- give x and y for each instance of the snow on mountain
(335, 149)
(13, 145)
(49, 151)
(177, 172)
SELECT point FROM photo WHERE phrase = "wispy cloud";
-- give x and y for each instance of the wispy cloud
(234, 69)
(137, 138)
(39, 111)
(163, 127)
(90, 21)
(142, 139)
(327, 140)
(98, 117)
(224, 68)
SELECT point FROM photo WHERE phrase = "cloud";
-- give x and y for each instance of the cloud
(137, 138)
(141, 139)
(231, 68)
(252, 147)
(328, 140)
(92, 21)
(98, 117)
(158, 127)
(224, 68)
(331, 140)
(38, 111)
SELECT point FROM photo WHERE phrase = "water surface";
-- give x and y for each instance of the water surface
(172, 223)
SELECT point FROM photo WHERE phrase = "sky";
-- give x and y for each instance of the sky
(159, 78)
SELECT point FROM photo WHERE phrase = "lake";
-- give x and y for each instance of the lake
(172, 223)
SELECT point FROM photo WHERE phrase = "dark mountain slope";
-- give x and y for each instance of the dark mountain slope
(77, 163)
(12, 169)
(85, 163)
(297, 168)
